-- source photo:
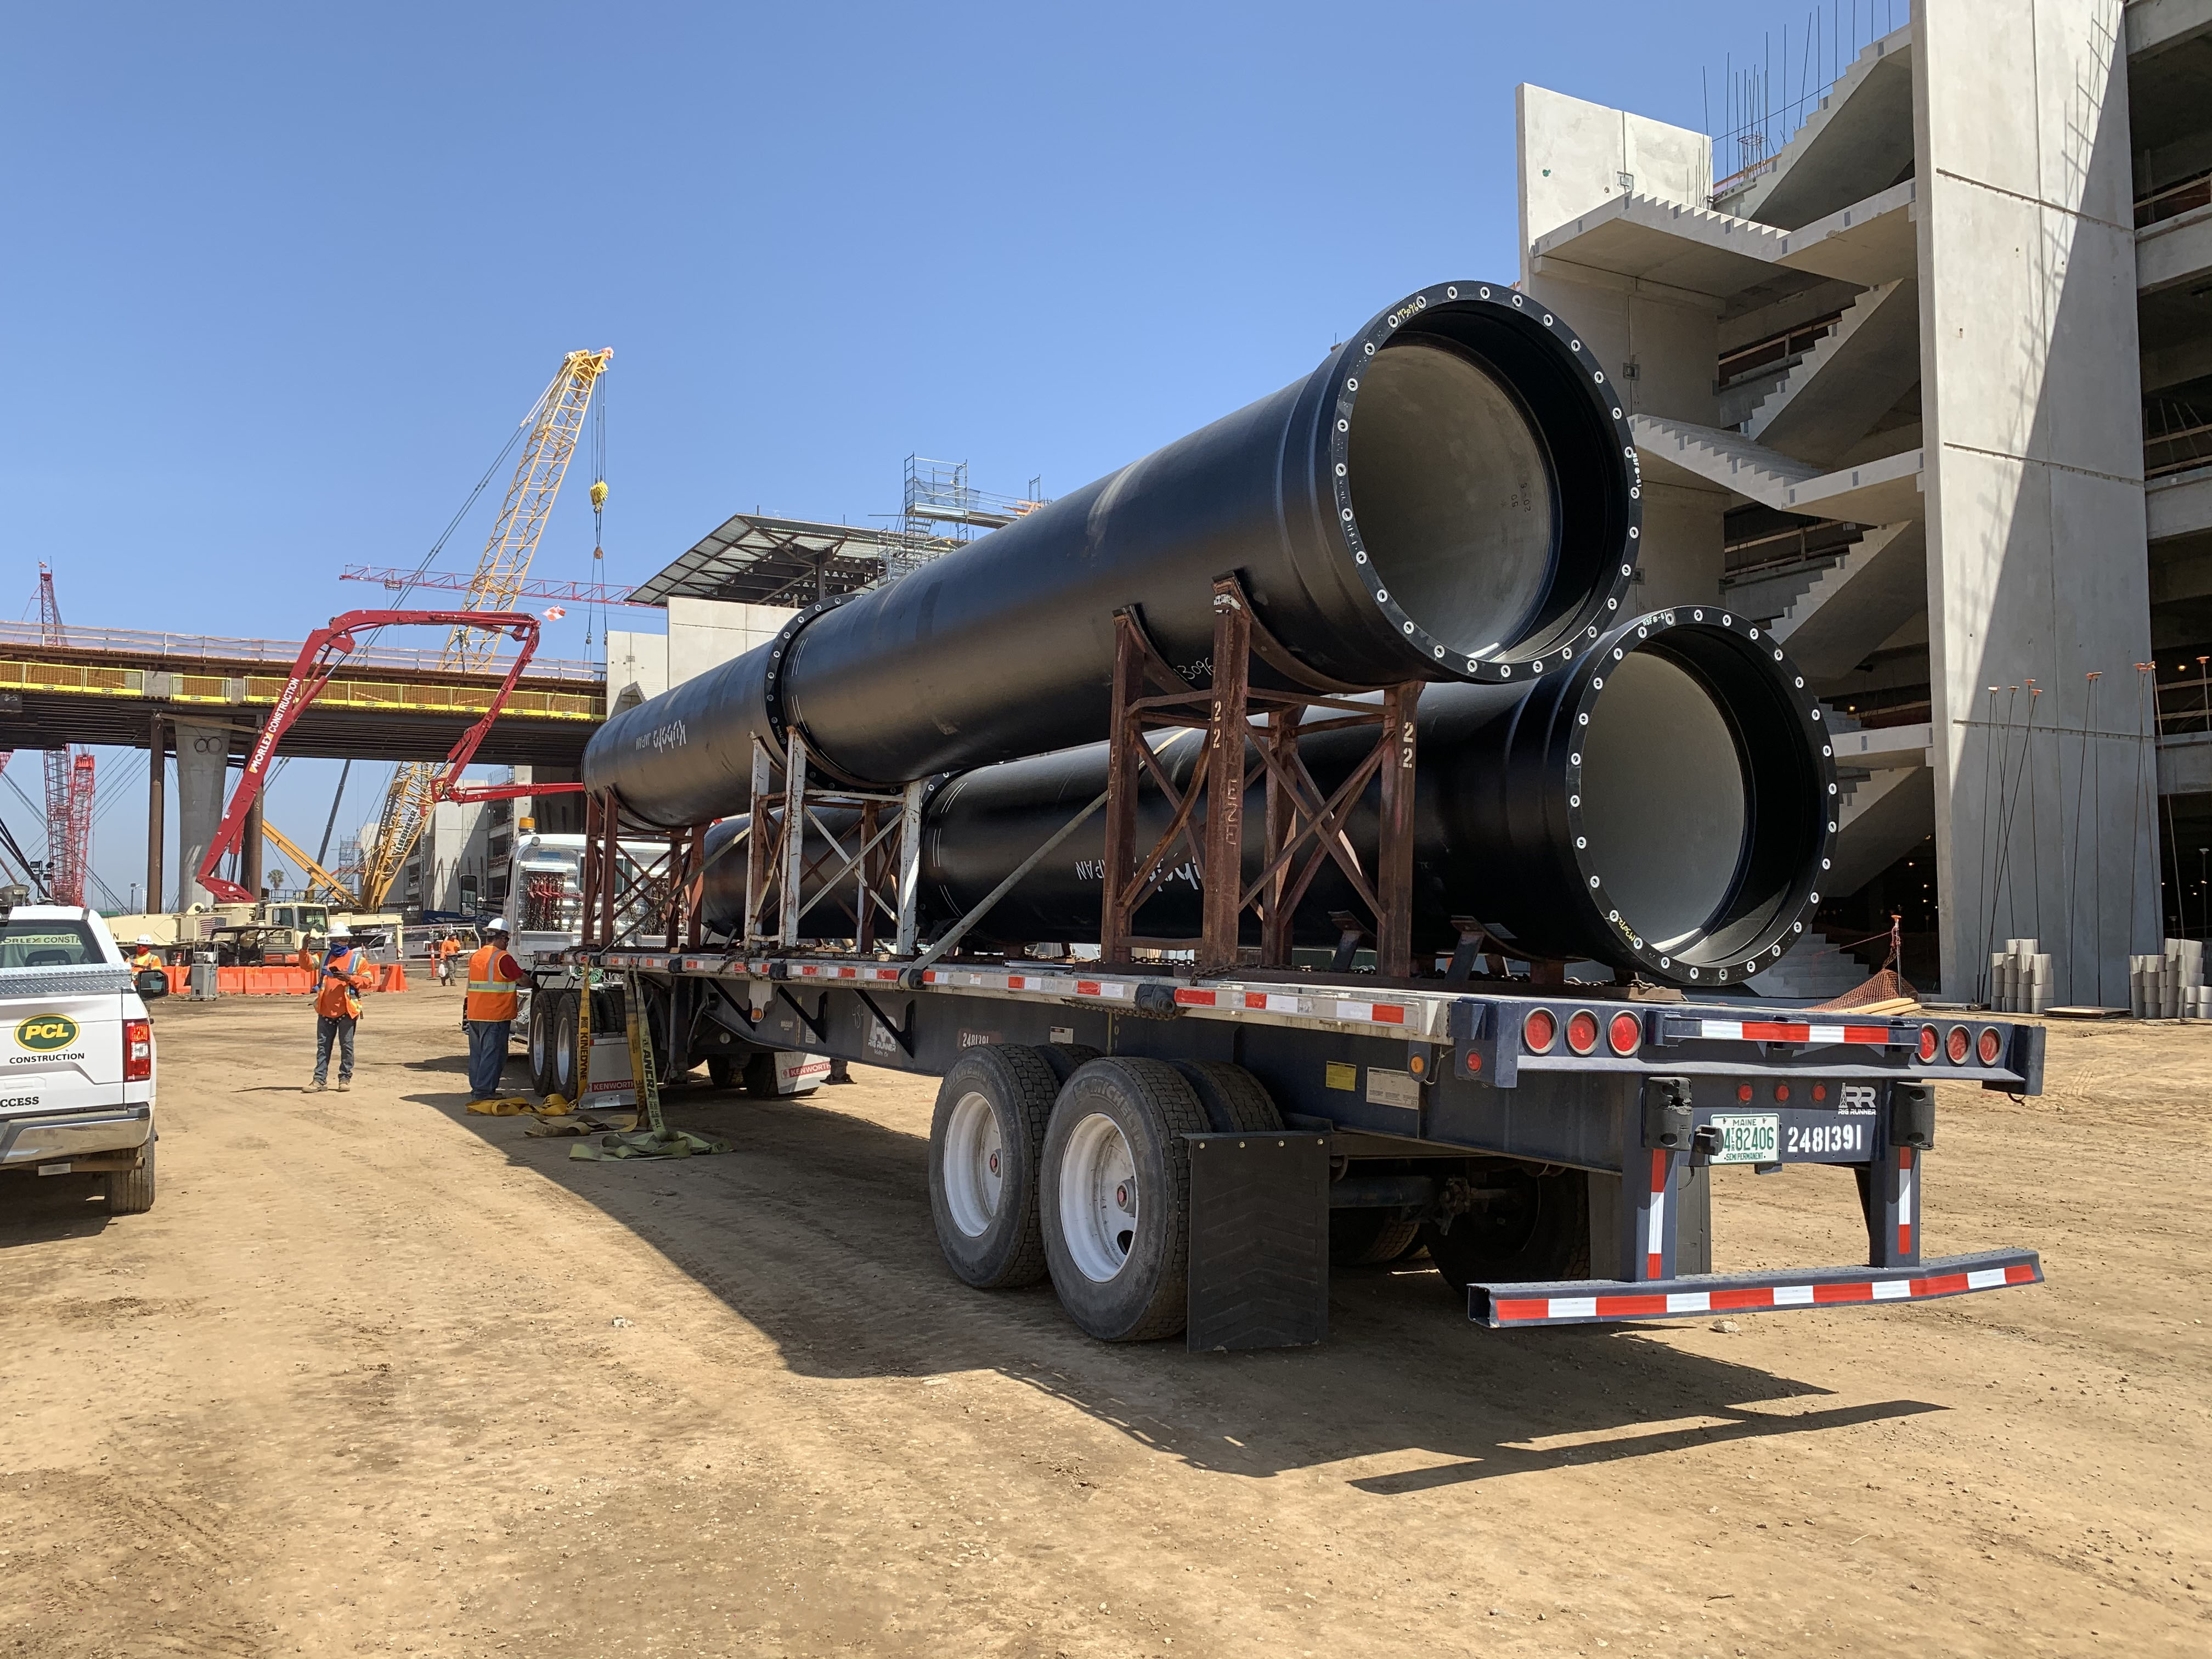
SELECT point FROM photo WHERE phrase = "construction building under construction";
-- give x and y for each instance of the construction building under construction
(1919, 356)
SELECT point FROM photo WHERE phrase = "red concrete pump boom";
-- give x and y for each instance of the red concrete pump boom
(319, 658)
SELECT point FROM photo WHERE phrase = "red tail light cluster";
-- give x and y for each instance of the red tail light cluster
(1991, 1045)
(1931, 1043)
(1539, 1030)
(1625, 1034)
(1956, 1045)
(1582, 1030)
(137, 1051)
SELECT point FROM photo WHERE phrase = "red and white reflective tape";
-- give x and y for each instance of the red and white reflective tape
(1907, 1182)
(1277, 1002)
(1781, 1030)
(1660, 1303)
(1654, 1230)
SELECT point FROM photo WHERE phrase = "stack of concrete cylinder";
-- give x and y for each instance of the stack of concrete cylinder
(2170, 985)
(2020, 979)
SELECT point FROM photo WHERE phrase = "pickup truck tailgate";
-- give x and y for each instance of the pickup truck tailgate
(61, 1048)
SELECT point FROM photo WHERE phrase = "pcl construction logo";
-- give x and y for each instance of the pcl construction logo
(44, 1033)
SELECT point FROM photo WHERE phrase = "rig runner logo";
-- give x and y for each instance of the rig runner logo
(45, 1032)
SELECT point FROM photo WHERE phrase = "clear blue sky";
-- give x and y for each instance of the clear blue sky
(280, 280)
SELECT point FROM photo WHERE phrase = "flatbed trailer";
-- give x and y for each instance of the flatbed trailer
(1565, 1132)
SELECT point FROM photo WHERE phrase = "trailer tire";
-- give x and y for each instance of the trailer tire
(131, 1192)
(1065, 1059)
(1369, 1238)
(1543, 1233)
(1114, 1152)
(538, 1042)
(985, 1139)
(1234, 1101)
(723, 1072)
(564, 1072)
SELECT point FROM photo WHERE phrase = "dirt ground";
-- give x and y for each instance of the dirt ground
(375, 1376)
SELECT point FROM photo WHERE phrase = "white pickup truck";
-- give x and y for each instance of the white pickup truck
(77, 1056)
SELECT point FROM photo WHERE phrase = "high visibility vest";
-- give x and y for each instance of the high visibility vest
(144, 959)
(493, 976)
(335, 994)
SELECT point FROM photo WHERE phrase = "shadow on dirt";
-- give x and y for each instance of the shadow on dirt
(47, 1209)
(817, 1231)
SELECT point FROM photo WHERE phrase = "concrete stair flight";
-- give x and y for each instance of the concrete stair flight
(1856, 142)
(1881, 491)
(1848, 608)
(1812, 969)
(1854, 375)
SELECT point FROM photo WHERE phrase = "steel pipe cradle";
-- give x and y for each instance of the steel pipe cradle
(1666, 806)
(1452, 495)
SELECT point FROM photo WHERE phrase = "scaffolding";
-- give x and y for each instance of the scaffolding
(939, 510)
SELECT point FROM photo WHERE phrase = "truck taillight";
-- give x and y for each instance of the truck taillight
(1930, 1042)
(1990, 1046)
(1958, 1045)
(1582, 1030)
(137, 1051)
(1538, 1030)
(1625, 1034)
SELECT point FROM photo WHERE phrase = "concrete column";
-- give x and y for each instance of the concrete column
(203, 768)
(2031, 400)
(157, 771)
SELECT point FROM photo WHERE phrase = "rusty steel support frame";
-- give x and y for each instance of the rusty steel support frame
(789, 845)
(1305, 824)
(624, 897)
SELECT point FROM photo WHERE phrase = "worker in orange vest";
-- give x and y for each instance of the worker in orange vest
(345, 974)
(489, 1010)
(446, 948)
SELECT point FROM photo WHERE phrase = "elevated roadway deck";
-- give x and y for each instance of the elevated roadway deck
(387, 702)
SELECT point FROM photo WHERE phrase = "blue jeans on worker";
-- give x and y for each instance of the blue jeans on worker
(329, 1027)
(487, 1055)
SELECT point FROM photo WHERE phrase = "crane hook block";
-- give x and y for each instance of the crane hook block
(598, 494)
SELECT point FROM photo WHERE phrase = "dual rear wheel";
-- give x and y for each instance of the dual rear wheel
(1058, 1160)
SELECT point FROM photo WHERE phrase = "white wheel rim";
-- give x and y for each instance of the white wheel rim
(1098, 1197)
(564, 1053)
(974, 1164)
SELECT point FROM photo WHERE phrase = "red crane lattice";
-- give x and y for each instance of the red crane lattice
(69, 782)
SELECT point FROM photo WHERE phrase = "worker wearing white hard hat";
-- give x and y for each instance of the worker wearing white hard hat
(345, 974)
(145, 956)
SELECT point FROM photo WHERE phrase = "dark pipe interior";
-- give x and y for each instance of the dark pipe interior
(1666, 798)
(1455, 490)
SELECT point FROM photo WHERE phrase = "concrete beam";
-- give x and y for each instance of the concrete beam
(2174, 251)
(2154, 25)
(2179, 504)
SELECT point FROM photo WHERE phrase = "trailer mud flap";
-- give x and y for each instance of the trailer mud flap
(1259, 1241)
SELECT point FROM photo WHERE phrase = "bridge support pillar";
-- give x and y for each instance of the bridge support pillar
(203, 768)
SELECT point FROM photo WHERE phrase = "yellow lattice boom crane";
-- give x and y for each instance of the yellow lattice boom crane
(556, 421)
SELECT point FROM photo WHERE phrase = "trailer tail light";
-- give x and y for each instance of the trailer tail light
(1582, 1030)
(1930, 1043)
(1539, 1029)
(1991, 1047)
(137, 1051)
(1957, 1044)
(1625, 1034)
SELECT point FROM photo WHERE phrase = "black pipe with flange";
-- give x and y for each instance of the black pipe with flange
(1452, 495)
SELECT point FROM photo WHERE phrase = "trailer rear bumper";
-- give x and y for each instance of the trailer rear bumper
(1593, 1301)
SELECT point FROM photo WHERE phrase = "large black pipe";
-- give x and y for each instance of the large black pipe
(1666, 807)
(1451, 496)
